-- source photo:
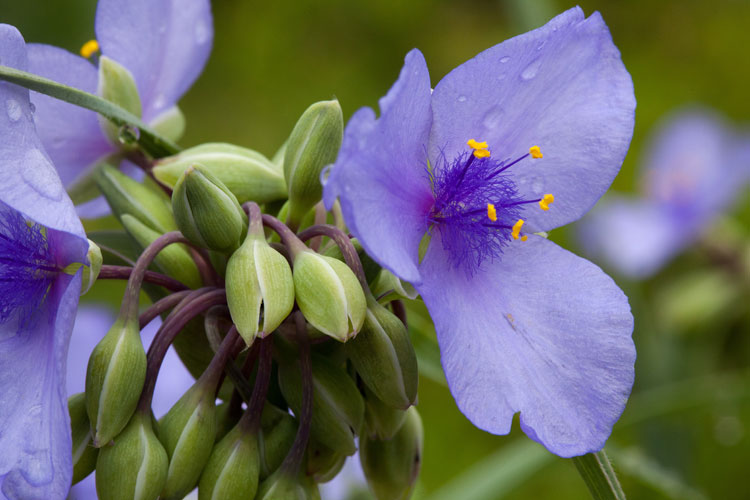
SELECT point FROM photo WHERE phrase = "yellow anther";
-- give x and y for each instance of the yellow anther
(524, 238)
(535, 152)
(481, 153)
(491, 212)
(473, 144)
(517, 230)
(89, 48)
(546, 201)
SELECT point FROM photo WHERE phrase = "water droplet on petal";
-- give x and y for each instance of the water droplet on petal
(13, 109)
(531, 70)
(504, 59)
(201, 33)
(325, 173)
(40, 175)
(493, 118)
(539, 47)
(160, 101)
(128, 134)
(461, 98)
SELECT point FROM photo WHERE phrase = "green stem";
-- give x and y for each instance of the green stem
(150, 141)
(599, 476)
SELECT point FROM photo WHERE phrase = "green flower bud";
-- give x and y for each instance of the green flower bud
(329, 295)
(382, 421)
(91, 271)
(371, 267)
(114, 380)
(249, 175)
(174, 260)
(135, 466)
(128, 196)
(390, 287)
(233, 468)
(391, 467)
(323, 463)
(169, 124)
(206, 212)
(188, 431)
(279, 429)
(313, 144)
(281, 486)
(383, 356)
(257, 274)
(227, 417)
(338, 408)
(84, 453)
(116, 84)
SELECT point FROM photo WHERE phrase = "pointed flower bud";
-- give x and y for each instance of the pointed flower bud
(90, 269)
(116, 84)
(383, 356)
(249, 175)
(388, 285)
(84, 453)
(382, 421)
(187, 432)
(282, 486)
(174, 260)
(391, 467)
(135, 466)
(258, 275)
(128, 196)
(278, 431)
(169, 124)
(114, 380)
(233, 468)
(207, 213)
(323, 463)
(329, 295)
(338, 408)
(313, 144)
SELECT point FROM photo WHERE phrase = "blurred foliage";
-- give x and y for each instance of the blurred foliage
(685, 433)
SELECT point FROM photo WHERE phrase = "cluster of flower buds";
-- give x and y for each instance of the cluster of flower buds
(297, 339)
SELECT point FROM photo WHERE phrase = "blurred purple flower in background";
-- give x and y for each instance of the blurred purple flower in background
(523, 325)
(163, 43)
(40, 236)
(694, 169)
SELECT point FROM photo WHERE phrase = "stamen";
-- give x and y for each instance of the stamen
(88, 48)
(491, 212)
(546, 201)
(535, 152)
(517, 229)
(480, 148)
(482, 153)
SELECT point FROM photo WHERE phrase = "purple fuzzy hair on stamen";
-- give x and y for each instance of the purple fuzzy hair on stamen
(462, 190)
(27, 267)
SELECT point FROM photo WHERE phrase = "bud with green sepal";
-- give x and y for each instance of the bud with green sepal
(338, 407)
(249, 175)
(383, 356)
(114, 378)
(387, 286)
(313, 144)
(84, 452)
(233, 468)
(278, 429)
(382, 421)
(169, 124)
(175, 260)
(283, 486)
(128, 196)
(258, 275)
(116, 84)
(188, 430)
(92, 268)
(206, 212)
(392, 466)
(135, 466)
(323, 463)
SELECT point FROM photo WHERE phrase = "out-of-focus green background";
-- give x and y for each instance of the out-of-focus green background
(686, 431)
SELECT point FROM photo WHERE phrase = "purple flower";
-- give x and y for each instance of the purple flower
(163, 43)
(523, 325)
(693, 171)
(40, 236)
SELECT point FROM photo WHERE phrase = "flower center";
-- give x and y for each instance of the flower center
(27, 267)
(477, 207)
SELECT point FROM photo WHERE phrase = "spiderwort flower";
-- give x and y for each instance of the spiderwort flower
(466, 170)
(692, 172)
(163, 43)
(41, 241)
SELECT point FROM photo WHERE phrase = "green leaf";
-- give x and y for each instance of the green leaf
(599, 476)
(151, 142)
